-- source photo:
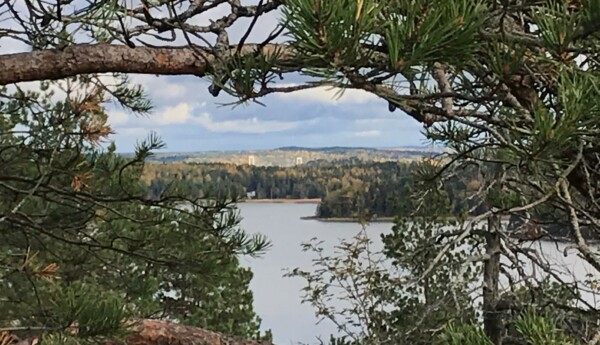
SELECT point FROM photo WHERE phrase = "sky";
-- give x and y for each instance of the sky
(189, 119)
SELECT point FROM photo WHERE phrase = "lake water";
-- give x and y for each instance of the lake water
(277, 300)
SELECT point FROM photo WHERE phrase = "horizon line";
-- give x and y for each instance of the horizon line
(298, 147)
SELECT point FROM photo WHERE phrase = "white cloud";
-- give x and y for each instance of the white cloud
(327, 94)
(127, 138)
(134, 132)
(117, 117)
(182, 113)
(159, 87)
(171, 90)
(366, 134)
(179, 114)
(253, 125)
(373, 121)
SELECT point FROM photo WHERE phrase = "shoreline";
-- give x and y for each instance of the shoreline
(374, 220)
(348, 219)
(389, 220)
(316, 201)
(281, 201)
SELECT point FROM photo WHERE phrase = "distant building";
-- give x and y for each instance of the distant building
(251, 160)
(298, 160)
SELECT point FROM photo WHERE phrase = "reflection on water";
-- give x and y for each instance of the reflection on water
(278, 300)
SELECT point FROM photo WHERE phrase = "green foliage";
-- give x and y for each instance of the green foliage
(83, 249)
(385, 299)
(347, 188)
(557, 25)
(416, 33)
(412, 247)
(419, 33)
(532, 327)
(463, 334)
(353, 274)
(332, 31)
(93, 311)
(244, 73)
(540, 330)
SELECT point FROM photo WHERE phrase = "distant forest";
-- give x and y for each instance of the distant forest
(288, 156)
(347, 188)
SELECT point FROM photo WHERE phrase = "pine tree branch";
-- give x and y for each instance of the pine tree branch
(103, 58)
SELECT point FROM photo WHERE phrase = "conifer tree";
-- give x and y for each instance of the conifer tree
(84, 250)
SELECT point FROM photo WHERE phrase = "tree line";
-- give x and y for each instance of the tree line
(350, 188)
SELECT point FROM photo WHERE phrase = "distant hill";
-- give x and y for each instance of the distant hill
(325, 149)
(350, 148)
(294, 155)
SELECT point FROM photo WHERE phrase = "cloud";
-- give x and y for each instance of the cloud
(183, 113)
(367, 134)
(134, 132)
(327, 94)
(179, 114)
(162, 87)
(374, 121)
(117, 117)
(248, 126)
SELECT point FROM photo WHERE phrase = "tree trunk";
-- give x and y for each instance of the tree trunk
(492, 320)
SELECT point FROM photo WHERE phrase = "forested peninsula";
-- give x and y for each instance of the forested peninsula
(348, 189)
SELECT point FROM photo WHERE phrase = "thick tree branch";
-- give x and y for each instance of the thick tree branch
(103, 58)
(198, 61)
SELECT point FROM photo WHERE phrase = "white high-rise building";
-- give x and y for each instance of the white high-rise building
(298, 160)
(251, 160)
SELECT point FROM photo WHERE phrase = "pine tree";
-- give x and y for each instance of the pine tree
(84, 250)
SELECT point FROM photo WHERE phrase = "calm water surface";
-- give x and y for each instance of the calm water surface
(278, 300)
